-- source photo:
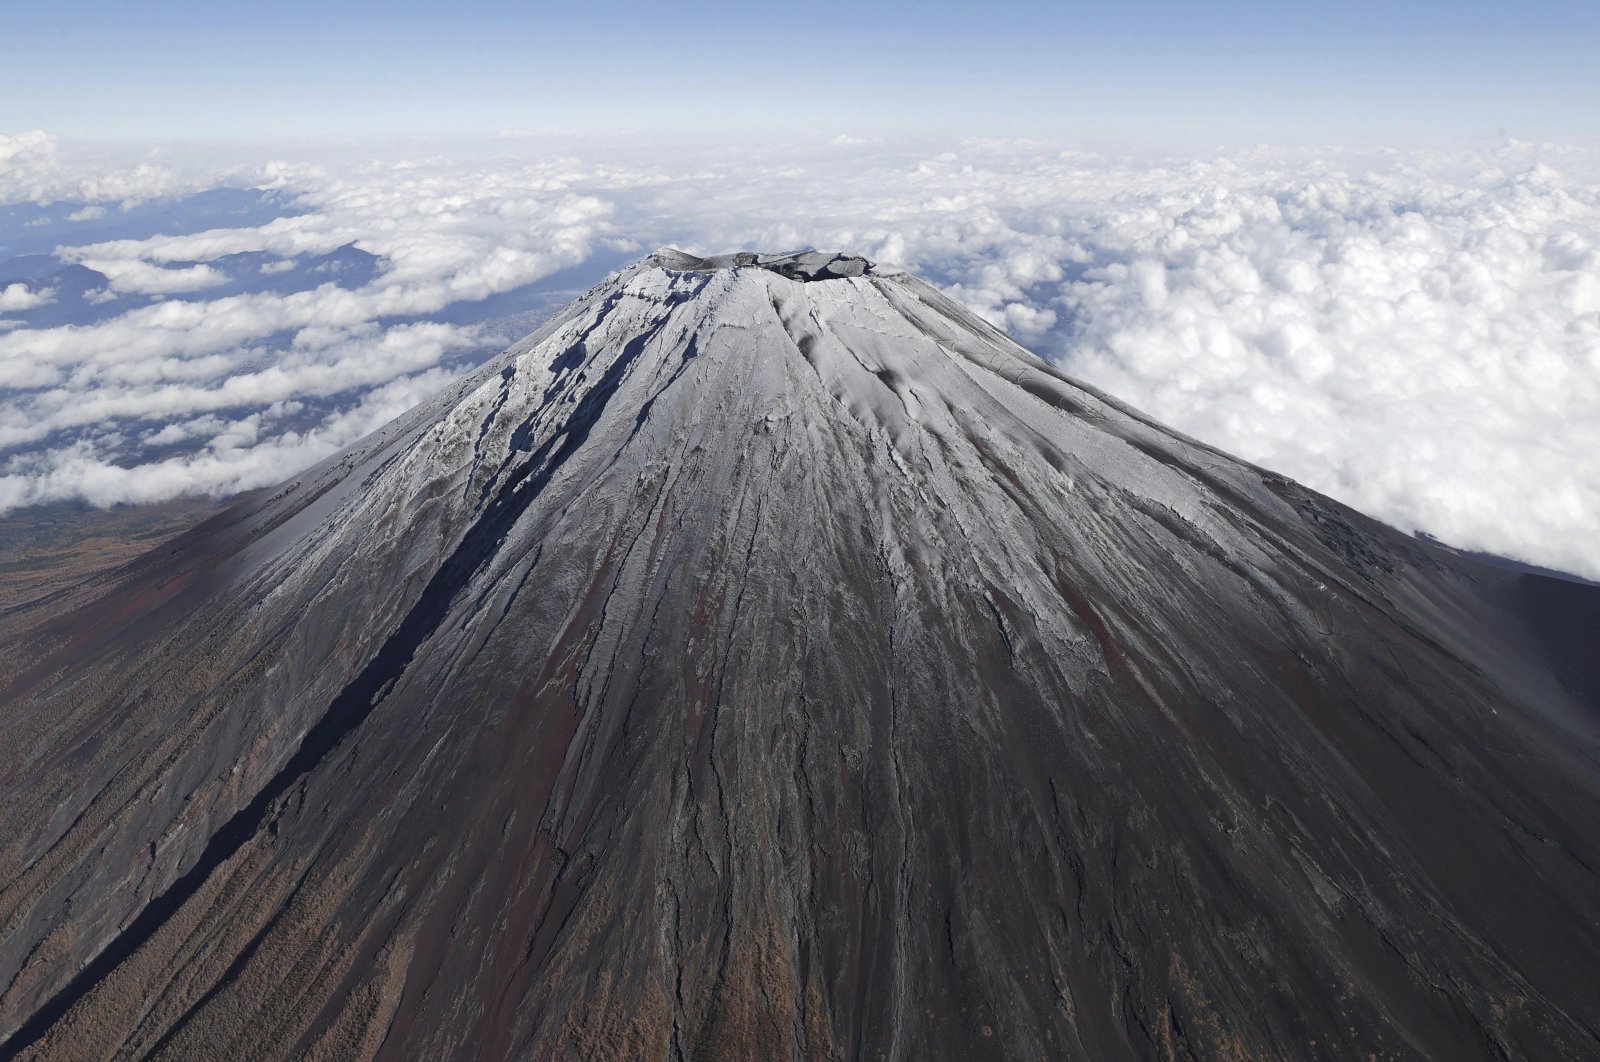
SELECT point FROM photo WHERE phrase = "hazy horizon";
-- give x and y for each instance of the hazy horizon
(1153, 73)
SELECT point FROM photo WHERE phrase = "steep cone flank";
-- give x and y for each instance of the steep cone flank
(769, 659)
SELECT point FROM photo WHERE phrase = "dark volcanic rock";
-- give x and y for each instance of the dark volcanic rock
(768, 659)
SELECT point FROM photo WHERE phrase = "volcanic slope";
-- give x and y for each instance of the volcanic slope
(769, 659)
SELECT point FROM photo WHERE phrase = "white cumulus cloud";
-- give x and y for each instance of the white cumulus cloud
(19, 296)
(1415, 334)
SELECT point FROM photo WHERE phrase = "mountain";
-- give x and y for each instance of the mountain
(767, 658)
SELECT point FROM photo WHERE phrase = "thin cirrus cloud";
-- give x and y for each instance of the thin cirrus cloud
(1415, 334)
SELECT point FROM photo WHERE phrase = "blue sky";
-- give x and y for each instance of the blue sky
(1137, 73)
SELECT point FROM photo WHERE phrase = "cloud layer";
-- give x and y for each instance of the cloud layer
(1416, 335)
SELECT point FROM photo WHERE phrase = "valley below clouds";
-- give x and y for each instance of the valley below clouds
(1415, 334)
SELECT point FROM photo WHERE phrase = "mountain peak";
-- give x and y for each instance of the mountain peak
(769, 659)
(807, 265)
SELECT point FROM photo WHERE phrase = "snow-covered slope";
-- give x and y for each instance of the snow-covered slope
(768, 658)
